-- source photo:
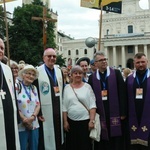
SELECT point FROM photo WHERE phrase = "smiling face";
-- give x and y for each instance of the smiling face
(28, 77)
(2, 49)
(49, 58)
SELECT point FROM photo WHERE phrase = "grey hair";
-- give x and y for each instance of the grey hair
(76, 68)
(99, 53)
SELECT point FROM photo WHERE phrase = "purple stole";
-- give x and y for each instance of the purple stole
(139, 133)
(115, 123)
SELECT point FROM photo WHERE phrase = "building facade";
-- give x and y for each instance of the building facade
(123, 35)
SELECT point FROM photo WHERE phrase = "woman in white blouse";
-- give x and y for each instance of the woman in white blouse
(79, 110)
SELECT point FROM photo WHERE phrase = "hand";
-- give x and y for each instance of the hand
(66, 126)
(41, 118)
(91, 125)
(123, 117)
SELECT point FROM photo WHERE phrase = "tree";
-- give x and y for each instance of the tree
(2, 23)
(60, 60)
(26, 35)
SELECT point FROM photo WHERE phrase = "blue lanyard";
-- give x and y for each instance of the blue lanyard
(104, 83)
(53, 77)
(26, 91)
(137, 79)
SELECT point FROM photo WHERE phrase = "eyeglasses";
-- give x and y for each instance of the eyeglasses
(101, 60)
(49, 56)
(30, 74)
(14, 68)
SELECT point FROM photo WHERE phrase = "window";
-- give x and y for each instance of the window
(130, 49)
(85, 51)
(69, 52)
(77, 52)
(130, 29)
(107, 32)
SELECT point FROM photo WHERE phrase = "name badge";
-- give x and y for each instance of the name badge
(56, 90)
(104, 95)
(31, 107)
(139, 93)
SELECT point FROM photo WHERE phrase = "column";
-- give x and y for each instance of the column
(114, 57)
(123, 57)
(145, 50)
(106, 52)
(136, 49)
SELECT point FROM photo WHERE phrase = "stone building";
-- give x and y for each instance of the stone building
(123, 35)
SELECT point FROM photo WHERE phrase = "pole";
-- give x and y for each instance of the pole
(7, 37)
(100, 28)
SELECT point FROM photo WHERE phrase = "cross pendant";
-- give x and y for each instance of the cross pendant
(2, 94)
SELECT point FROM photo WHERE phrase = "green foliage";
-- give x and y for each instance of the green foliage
(60, 60)
(26, 35)
(2, 23)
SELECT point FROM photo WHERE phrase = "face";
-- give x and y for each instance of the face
(141, 63)
(49, 58)
(77, 76)
(84, 66)
(101, 62)
(2, 48)
(29, 77)
(65, 72)
(14, 69)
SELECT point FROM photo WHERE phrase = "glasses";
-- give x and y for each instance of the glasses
(14, 68)
(101, 60)
(49, 56)
(30, 74)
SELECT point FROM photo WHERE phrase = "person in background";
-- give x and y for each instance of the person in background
(65, 75)
(92, 65)
(78, 111)
(110, 91)
(8, 117)
(21, 66)
(50, 86)
(138, 88)
(83, 62)
(126, 72)
(14, 68)
(29, 106)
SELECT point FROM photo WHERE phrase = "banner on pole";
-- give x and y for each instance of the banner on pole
(108, 5)
(1, 1)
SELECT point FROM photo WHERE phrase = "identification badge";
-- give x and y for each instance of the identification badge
(31, 107)
(139, 93)
(56, 90)
(104, 95)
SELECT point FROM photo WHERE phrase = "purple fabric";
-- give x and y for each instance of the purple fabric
(138, 133)
(115, 125)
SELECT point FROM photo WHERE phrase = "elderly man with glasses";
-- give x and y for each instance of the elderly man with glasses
(109, 88)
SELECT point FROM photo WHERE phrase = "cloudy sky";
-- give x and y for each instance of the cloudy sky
(73, 20)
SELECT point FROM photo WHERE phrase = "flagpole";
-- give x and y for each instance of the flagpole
(7, 37)
(100, 27)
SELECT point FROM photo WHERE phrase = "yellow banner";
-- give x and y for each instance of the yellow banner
(1, 1)
(108, 5)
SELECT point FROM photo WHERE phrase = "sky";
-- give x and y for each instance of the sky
(74, 20)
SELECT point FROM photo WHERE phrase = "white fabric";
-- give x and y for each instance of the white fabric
(46, 105)
(9, 79)
(71, 105)
(95, 133)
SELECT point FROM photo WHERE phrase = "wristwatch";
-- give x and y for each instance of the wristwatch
(93, 121)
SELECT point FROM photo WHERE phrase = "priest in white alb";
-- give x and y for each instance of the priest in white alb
(9, 139)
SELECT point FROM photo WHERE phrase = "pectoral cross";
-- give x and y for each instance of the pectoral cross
(2, 94)
(45, 20)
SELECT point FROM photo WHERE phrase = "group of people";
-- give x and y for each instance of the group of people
(44, 109)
